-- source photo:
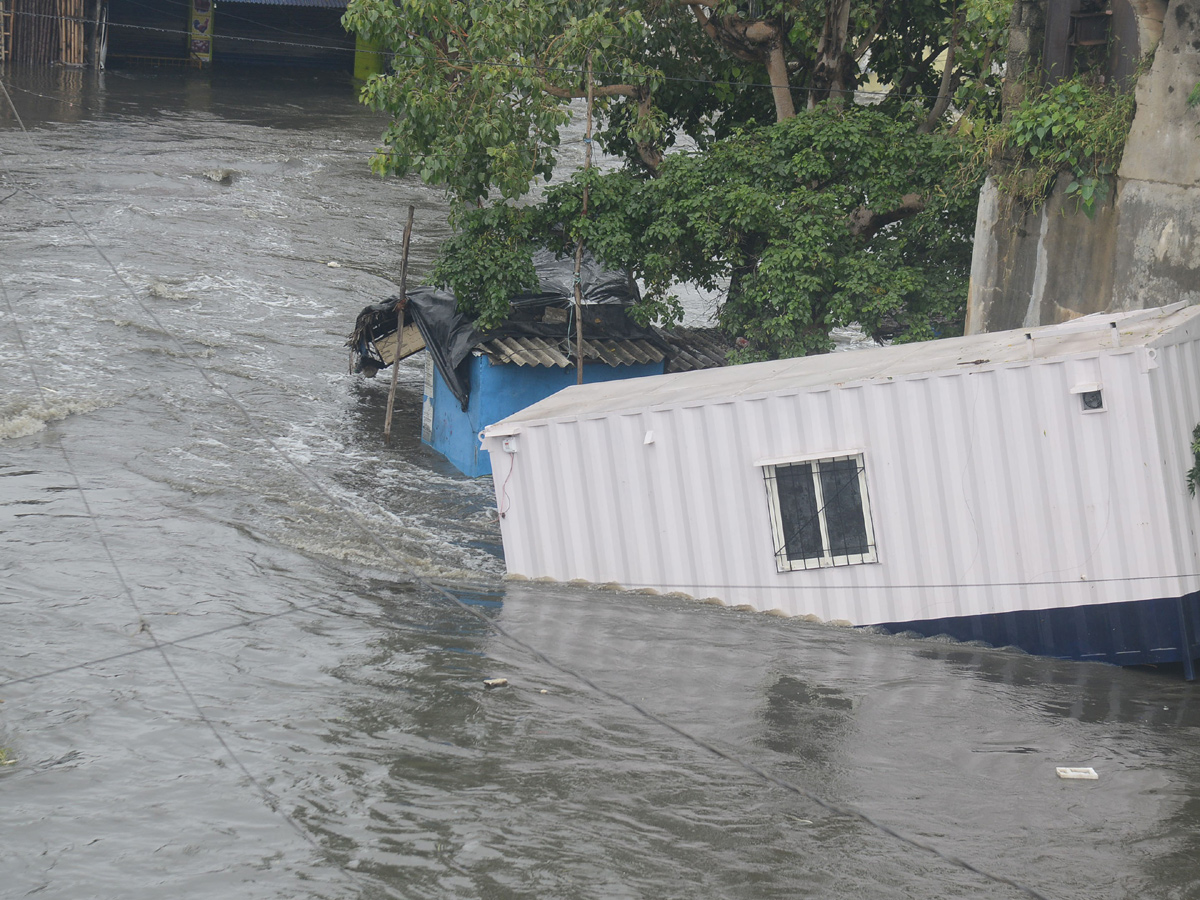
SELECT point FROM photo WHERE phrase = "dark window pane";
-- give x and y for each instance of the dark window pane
(798, 510)
(843, 507)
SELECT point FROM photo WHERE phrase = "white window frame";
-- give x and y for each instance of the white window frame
(827, 559)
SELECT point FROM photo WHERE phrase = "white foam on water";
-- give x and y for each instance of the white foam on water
(21, 419)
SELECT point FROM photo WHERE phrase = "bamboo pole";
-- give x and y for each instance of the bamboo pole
(400, 304)
(76, 31)
(587, 165)
(62, 32)
(94, 48)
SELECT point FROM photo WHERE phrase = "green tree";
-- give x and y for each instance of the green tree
(479, 90)
(833, 216)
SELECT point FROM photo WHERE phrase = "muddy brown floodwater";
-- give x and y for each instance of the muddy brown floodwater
(313, 723)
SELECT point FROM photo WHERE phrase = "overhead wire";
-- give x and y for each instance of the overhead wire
(271, 800)
(491, 624)
(502, 64)
(177, 642)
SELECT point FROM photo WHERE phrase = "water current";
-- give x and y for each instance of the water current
(315, 724)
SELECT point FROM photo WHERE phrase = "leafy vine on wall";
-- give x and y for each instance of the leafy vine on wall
(1078, 127)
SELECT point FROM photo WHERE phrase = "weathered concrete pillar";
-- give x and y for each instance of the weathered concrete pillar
(1142, 247)
(1158, 235)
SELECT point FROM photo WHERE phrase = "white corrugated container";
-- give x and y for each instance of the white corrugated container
(991, 488)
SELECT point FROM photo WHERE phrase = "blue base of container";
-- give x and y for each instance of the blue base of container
(1134, 633)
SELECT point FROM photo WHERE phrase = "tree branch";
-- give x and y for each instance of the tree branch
(865, 222)
(608, 90)
(751, 40)
(650, 155)
(916, 72)
(949, 81)
(734, 35)
(865, 44)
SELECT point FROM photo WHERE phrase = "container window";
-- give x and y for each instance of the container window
(820, 513)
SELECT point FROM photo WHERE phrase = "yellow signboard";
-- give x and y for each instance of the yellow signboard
(200, 32)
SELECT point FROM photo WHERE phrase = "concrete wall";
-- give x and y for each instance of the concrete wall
(1142, 248)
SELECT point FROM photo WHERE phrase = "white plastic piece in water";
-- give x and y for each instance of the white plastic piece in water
(1083, 772)
(334, 264)
(490, 683)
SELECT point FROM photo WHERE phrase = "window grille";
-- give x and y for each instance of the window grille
(820, 513)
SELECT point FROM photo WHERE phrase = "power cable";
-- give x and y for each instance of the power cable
(225, 16)
(177, 642)
(494, 626)
(269, 798)
(1124, 579)
(500, 64)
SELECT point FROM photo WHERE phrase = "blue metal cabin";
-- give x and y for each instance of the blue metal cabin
(499, 389)
(474, 378)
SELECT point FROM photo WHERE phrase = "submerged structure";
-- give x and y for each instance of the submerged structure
(474, 378)
(1021, 488)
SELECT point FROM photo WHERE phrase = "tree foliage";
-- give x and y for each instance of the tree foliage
(834, 216)
(814, 210)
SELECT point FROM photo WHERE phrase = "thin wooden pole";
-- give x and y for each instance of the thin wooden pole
(587, 165)
(400, 304)
(94, 48)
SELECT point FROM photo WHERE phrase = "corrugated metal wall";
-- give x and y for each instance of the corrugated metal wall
(991, 490)
(1176, 391)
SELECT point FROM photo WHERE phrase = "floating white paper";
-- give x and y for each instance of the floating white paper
(1085, 772)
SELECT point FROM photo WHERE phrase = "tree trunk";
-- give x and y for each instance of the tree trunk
(832, 49)
(780, 89)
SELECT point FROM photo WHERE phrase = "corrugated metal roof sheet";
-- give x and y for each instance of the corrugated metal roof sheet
(535, 351)
(695, 348)
(525, 351)
(691, 349)
(328, 4)
(1089, 334)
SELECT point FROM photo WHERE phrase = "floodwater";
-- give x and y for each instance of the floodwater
(214, 685)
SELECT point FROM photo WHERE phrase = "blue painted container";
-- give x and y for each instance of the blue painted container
(498, 390)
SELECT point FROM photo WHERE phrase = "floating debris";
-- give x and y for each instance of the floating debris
(166, 292)
(1086, 773)
(334, 264)
(220, 176)
(490, 683)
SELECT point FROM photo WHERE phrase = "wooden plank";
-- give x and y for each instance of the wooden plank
(410, 342)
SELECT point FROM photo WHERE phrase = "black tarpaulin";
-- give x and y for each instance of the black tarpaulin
(450, 336)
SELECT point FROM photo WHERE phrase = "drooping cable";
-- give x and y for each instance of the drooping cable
(489, 623)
